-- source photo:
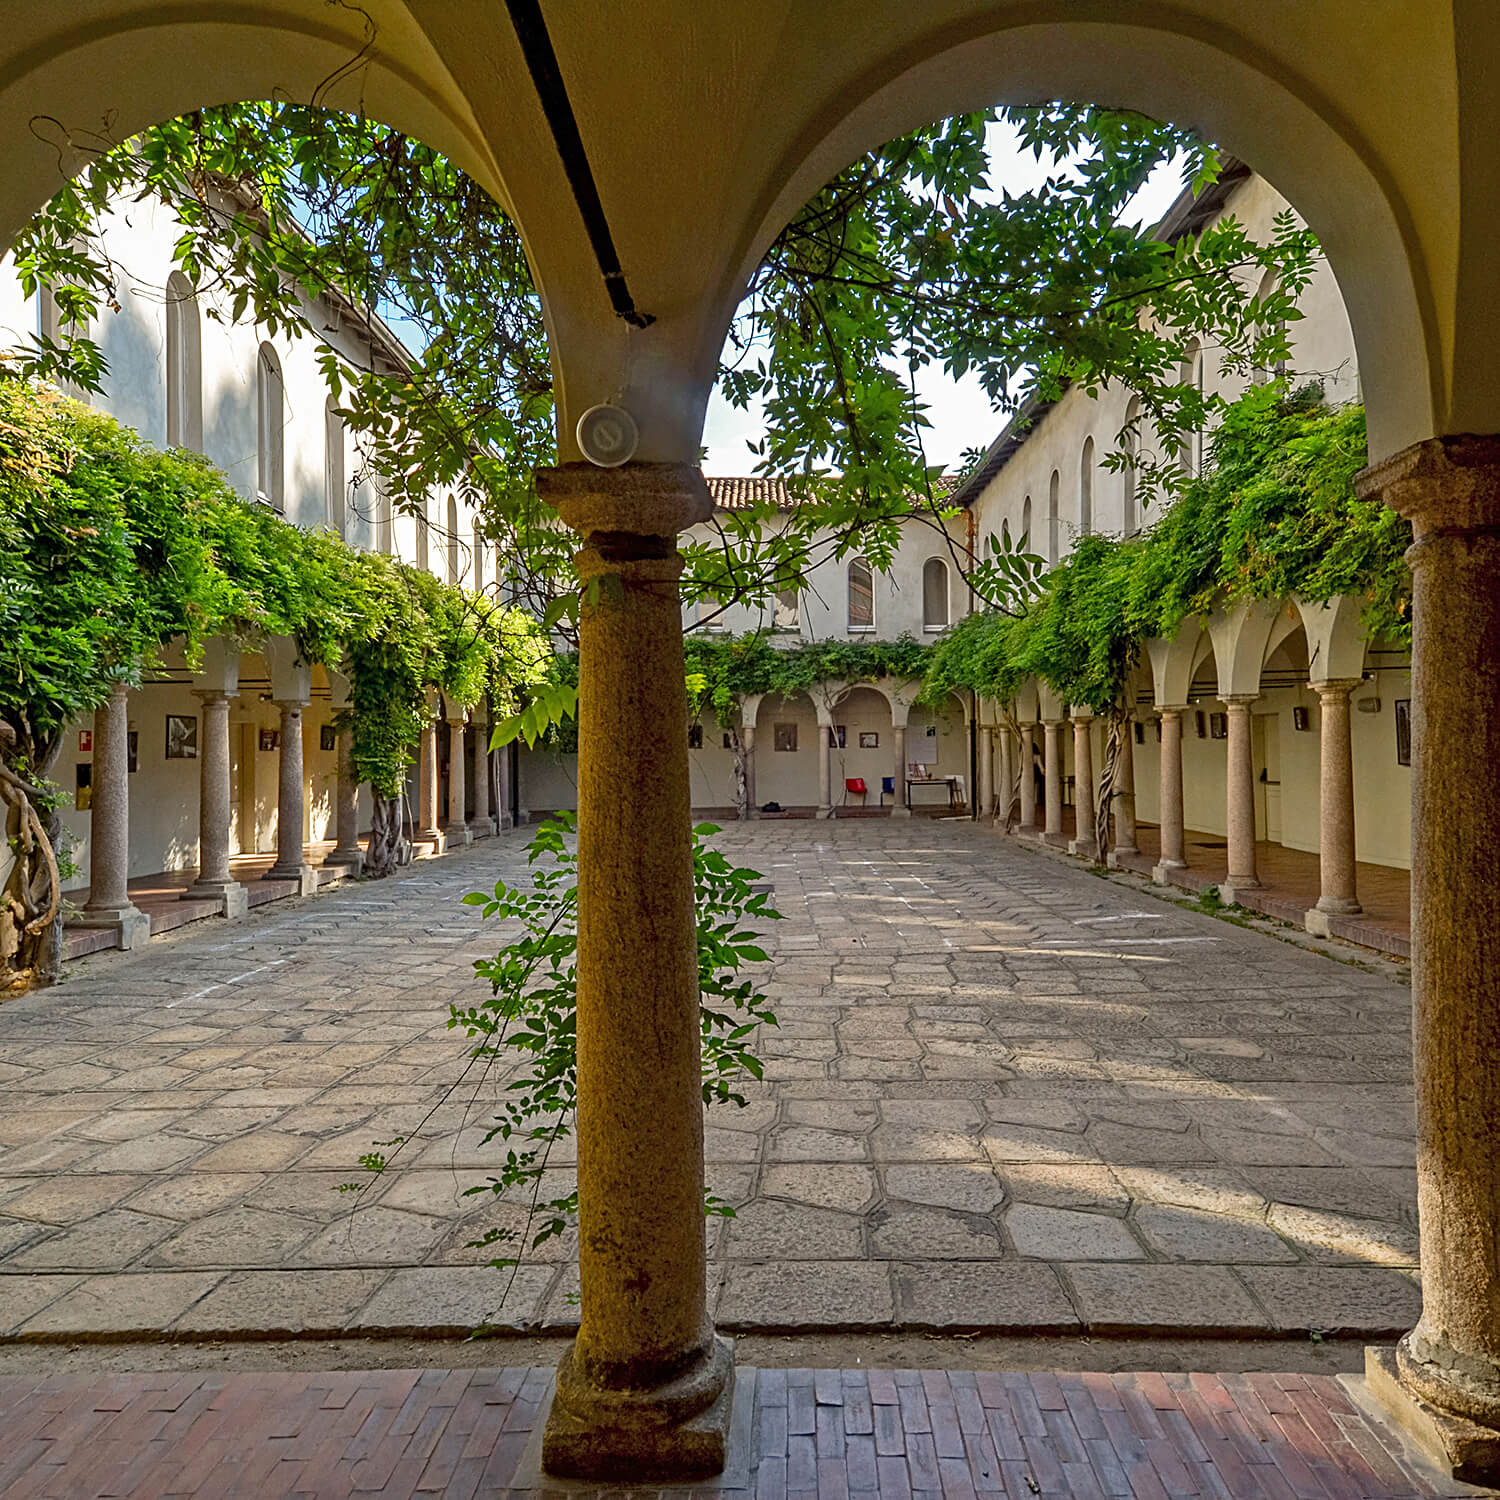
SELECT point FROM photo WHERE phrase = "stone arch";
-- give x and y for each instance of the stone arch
(1239, 641)
(1174, 663)
(1335, 638)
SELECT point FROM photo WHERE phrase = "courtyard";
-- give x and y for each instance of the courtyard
(1005, 1096)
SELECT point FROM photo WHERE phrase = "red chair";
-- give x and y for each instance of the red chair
(853, 784)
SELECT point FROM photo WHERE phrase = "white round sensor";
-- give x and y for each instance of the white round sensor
(607, 436)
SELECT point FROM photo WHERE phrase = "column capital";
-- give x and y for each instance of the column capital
(1168, 708)
(1440, 484)
(636, 499)
(212, 695)
(1239, 700)
(1332, 687)
(286, 705)
(1081, 713)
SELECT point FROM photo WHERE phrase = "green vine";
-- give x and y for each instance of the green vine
(1274, 515)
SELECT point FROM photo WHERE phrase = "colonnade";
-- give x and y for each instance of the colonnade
(108, 903)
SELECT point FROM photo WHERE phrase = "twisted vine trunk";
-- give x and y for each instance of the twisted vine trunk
(741, 780)
(31, 898)
(389, 846)
(1108, 777)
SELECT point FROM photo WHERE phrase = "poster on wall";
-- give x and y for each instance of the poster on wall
(83, 795)
(327, 737)
(182, 737)
(1403, 731)
(270, 739)
(869, 739)
(785, 737)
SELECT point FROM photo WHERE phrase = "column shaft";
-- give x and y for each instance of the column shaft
(213, 879)
(346, 808)
(291, 794)
(1026, 784)
(1173, 840)
(109, 843)
(1124, 791)
(1239, 792)
(825, 771)
(504, 814)
(482, 778)
(427, 785)
(1006, 776)
(1336, 873)
(899, 809)
(457, 826)
(644, 1392)
(986, 789)
(1052, 766)
(1085, 834)
(747, 749)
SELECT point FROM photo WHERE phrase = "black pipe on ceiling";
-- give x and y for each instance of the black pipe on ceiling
(536, 45)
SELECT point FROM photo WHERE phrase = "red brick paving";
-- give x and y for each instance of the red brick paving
(916, 1435)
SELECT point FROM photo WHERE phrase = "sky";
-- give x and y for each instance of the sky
(959, 411)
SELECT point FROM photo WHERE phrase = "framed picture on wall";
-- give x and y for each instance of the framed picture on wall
(1403, 731)
(695, 736)
(327, 737)
(838, 737)
(133, 750)
(270, 739)
(1200, 723)
(182, 737)
(1300, 717)
(1140, 732)
(785, 737)
(1218, 726)
(83, 793)
(869, 739)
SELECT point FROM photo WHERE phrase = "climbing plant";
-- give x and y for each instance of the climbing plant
(1273, 515)
(110, 548)
(528, 1022)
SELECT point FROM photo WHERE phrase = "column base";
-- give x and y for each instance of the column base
(1229, 891)
(1112, 859)
(434, 836)
(352, 860)
(1462, 1447)
(1163, 871)
(233, 898)
(824, 812)
(305, 876)
(481, 828)
(131, 925)
(456, 838)
(901, 812)
(1084, 848)
(634, 1436)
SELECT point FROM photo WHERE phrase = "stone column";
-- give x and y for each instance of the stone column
(504, 815)
(291, 793)
(482, 825)
(985, 792)
(1173, 840)
(1239, 794)
(427, 788)
(899, 809)
(1027, 782)
(1336, 875)
(645, 1392)
(1123, 804)
(456, 829)
(109, 903)
(1005, 774)
(825, 771)
(747, 749)
(1450, 490)
(1052, 766)
(346, 850)
(213, 881)
(1085, 839)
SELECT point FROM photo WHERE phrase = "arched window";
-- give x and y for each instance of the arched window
(184, 366)
(1268, 287)
(333, 469)
(1191, 374)
(424, 551)
(861, 595)
(934, 594)
(478, 557)
(1130, 441)
(270, 435)
(453, 544)
(1025, 539)
(1086, 487)
(383, 518)
(1054, 487)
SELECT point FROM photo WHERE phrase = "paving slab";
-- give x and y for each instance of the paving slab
(1000, 1084)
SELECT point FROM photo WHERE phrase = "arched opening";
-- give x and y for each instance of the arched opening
(479, 557)
(270, 429)
(1054, 489)
(334, 485)
(1086, 488)
(935, 603)
(454, 547)
(1190, 373)
(1130, 443)
(1025, 537)
(424, 539)
(184, 365)
(861, 582)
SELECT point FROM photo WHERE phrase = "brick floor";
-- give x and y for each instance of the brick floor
(1005, 1095)
(826, 1433)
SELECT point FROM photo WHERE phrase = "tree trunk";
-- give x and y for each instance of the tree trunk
(31, 903)
(741, 782)
(389, 846)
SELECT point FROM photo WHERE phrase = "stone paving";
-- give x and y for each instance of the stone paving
(1005, 1095)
